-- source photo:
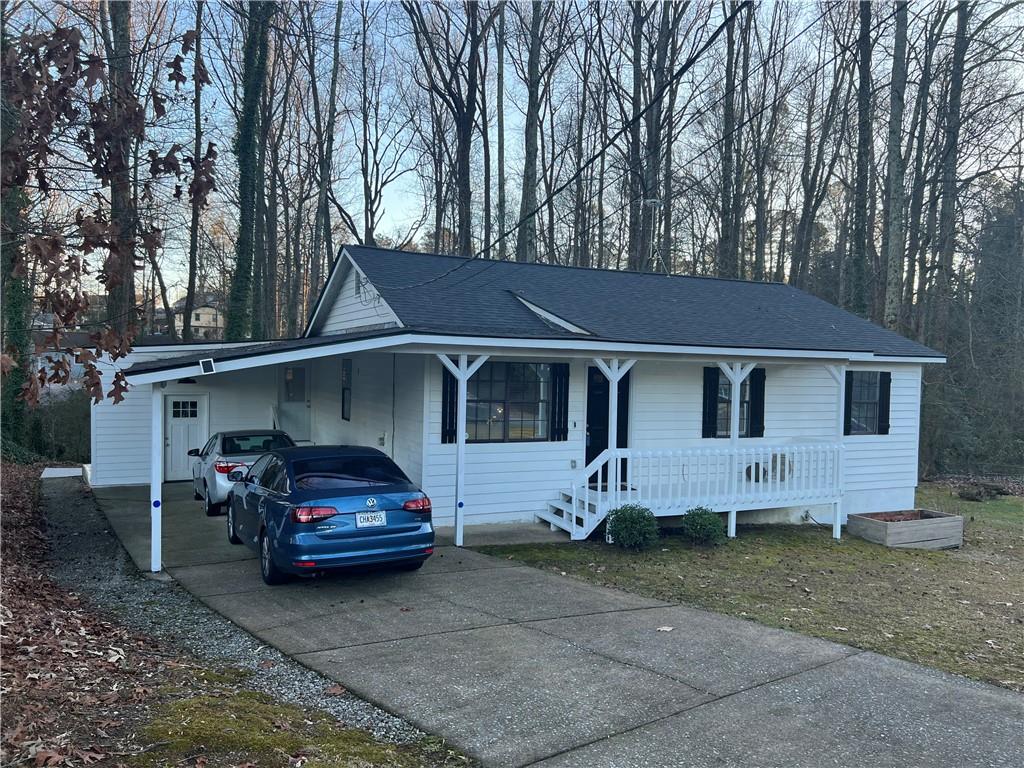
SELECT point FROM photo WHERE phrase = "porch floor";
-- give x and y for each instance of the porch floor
(520, 667)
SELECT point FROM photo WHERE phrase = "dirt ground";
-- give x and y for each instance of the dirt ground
(961, 611)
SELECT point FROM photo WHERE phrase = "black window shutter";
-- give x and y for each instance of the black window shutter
(884, 390)
(757, 403)
(449, 406)
(558, 426)
(848, 403)
(709, 427)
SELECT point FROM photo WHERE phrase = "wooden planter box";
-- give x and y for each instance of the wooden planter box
(914, 529)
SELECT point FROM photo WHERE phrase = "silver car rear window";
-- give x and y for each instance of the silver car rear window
(257, 442)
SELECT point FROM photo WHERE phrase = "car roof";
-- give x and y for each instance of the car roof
(242, 432)
(299, 452)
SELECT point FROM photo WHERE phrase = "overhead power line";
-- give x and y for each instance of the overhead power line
(655, 98)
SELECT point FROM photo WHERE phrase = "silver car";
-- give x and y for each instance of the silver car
(224, 452)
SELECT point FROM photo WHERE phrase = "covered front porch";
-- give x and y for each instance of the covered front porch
(601, 429)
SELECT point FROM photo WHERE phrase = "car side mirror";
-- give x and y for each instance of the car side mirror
(236, 476)
(194, 452)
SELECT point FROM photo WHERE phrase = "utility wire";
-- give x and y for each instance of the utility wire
(676, 76)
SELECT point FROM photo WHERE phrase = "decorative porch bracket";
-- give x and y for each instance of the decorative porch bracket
(462, 373)
(613, 370)
(737, 374)
(838, 374)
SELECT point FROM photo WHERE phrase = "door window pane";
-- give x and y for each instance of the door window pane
(184, 409)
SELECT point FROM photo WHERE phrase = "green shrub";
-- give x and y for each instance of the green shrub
(632, 526)
(703, 526)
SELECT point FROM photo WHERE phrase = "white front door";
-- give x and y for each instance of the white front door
(293, 400)
(184, 428)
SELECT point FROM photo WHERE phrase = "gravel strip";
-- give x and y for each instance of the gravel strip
(87, 558)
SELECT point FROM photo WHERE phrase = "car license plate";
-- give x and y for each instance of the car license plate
(371, 519)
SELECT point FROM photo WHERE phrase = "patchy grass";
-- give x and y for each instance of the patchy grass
(959, 610)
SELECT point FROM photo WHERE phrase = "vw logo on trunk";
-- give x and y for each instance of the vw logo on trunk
(371, 502)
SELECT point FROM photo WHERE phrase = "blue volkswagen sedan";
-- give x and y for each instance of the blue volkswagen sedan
(307, 509)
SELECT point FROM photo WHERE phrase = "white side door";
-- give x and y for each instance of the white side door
(293, 400)
(185, 427)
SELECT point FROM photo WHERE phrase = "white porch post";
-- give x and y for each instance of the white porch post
(156, 477)
(614, 370)
(462, 373)
(736, 373)
(838, 374)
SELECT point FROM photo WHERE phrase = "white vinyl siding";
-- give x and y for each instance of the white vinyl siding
(375, 416)
(352, 310)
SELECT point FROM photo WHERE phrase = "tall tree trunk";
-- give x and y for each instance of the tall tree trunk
(855, 275)
(652, 164)
(950, 158)
(254, 65)
(123, 215)
(635, 184)
(196, 199)
(502, 217)
(726, 261)
(893, 237)
(526, 243)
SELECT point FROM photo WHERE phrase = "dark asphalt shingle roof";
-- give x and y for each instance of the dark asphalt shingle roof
(450, 294)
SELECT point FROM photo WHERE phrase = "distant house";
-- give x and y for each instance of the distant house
(208, 318)
(517, 392)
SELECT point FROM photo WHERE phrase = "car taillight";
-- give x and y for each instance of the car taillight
(421, 505)
(225, 466)
(312, 514)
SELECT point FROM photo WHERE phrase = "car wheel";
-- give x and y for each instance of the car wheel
(413, 566)
(212, 510)
(271, 573)
(232, 536)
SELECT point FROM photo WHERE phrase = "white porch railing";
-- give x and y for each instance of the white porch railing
(670, 482)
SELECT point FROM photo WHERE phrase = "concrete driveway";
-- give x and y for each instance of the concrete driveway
(521, 667)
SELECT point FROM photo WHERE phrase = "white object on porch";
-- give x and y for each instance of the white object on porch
(670, 482)
(462, 372)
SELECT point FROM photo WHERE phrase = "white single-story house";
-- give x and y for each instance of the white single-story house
(497, 386)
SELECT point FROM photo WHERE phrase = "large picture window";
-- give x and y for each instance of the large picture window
(508, 402)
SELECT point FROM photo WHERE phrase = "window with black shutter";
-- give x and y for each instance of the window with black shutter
(866, 407)
(449, 405)
(716, 419)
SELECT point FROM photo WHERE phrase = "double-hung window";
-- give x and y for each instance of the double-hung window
(867, 402)
(717, 409)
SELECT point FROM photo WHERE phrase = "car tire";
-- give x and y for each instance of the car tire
(413, 566)
(271, 574)
(232, 535)
(212, 510)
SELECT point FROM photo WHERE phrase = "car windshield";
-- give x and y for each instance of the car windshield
(257, 442)
(335, 472)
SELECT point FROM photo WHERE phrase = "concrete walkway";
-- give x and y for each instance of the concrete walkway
(521, 667)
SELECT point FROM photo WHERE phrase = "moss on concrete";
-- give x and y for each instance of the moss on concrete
(244, 726)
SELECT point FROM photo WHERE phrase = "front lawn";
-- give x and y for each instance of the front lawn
(959, 610)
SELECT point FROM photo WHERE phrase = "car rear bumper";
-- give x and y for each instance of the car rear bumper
(406, 547)
(220, 489)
